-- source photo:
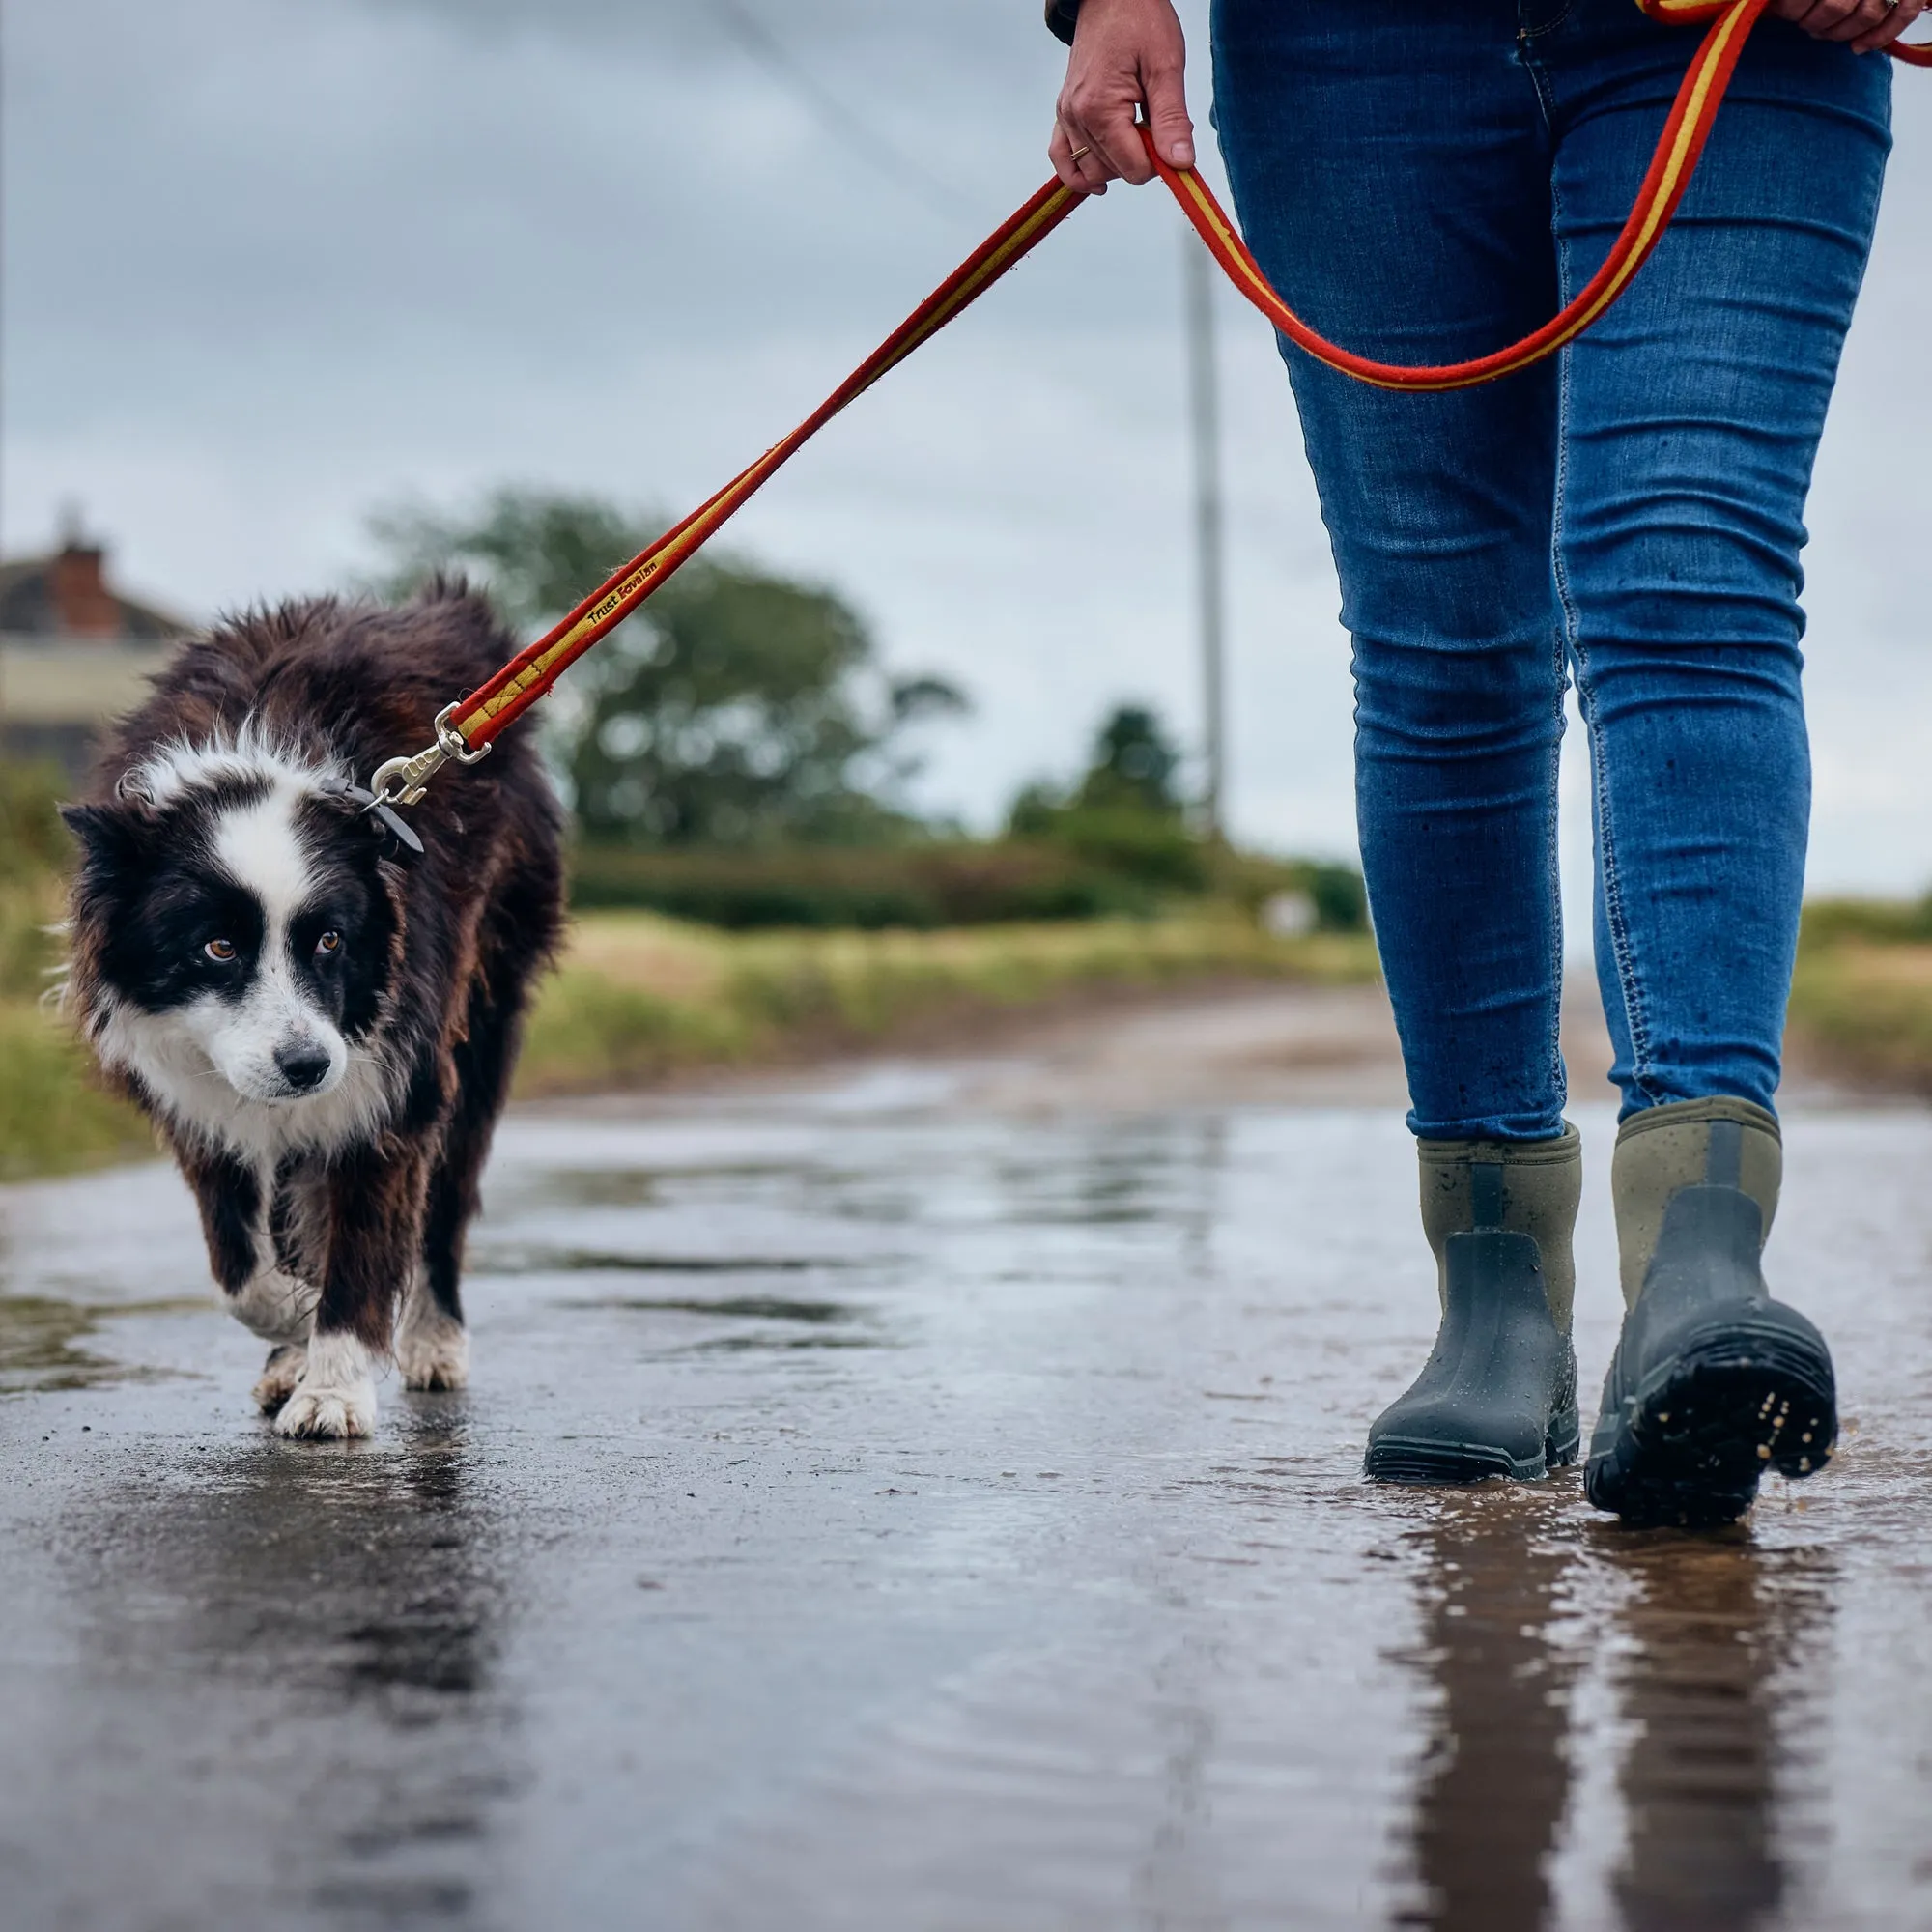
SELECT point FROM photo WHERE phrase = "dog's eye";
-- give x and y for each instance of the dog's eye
(329, 943)
(221, 950)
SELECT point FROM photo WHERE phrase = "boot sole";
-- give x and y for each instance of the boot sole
(1416, 1460)
(1688, 1446)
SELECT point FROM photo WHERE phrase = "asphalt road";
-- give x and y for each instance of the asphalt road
(927, 1496)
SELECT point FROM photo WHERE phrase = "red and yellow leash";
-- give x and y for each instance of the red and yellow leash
(466, 729)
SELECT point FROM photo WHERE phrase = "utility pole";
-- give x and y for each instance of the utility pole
(3, 239)
(1204, 418)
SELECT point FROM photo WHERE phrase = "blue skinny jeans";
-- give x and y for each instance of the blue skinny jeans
(1428, 180)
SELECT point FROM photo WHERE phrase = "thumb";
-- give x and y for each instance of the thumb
(1167, 117)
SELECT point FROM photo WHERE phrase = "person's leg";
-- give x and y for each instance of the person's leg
(1390, 167)
(1402, 205)
(1690, 415)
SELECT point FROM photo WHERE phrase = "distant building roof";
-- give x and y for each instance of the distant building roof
(75, 654)
(67, 595)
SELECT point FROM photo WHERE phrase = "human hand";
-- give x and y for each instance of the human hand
(1126, 54)
(1867, 25)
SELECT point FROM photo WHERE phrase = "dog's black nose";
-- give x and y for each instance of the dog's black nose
(303, 1066)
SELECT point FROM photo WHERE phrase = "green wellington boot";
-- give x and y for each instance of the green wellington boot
(1498, 1396)
(1713, 1382)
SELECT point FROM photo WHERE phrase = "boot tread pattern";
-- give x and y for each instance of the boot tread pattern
(1688, 1447)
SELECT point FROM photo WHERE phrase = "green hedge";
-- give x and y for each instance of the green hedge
(53, 1116)
(1107, 864)
(777, 995)
(922, 887)
(1879, 922)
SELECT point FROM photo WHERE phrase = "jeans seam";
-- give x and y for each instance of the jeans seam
(1526, 33)
(1553, 882)
(1558, 1073)
(1539, 81)
(1635, 1023)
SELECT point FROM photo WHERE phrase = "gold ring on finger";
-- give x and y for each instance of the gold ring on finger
(1078, 151)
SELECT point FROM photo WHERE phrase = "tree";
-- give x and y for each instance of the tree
(1133, 766)
(738, 707)
(1123, 813)
(1133, 769)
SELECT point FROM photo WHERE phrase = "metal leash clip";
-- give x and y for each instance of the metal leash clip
(404, 781)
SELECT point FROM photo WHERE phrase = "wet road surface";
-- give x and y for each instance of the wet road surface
(902, 1501)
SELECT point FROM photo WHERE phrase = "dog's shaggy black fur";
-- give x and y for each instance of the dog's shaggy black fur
(320, 1023)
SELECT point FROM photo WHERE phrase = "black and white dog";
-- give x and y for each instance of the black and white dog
(320, 1022)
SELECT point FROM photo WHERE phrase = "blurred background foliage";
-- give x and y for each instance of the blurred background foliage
(751, 875)
(751, 879)
(53, 1114)
(737, 709)
(738, 754)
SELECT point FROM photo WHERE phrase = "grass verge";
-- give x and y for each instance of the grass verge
(639, 998)
(55, 1118)
(1862, 1008)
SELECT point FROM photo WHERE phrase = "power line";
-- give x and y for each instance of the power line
(876, 150)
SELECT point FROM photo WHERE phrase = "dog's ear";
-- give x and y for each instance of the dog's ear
(111, 836)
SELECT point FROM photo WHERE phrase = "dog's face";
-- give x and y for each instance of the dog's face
(241, 931)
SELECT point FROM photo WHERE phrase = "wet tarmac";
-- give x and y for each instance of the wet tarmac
(899, 1501)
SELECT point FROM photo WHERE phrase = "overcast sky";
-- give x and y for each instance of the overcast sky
(271, 265)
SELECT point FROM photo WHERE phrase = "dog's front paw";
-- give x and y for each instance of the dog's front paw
(432, 1348)
(328, 1414)
(279, 1376)
(335, 1397)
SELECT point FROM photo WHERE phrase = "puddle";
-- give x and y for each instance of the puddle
(623, 1187)
(1057, 1600)
(822, 1318)
(738, 1344)
(743, 1308)
(592, 1261)
(41, 1343)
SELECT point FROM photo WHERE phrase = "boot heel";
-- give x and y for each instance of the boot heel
(1713, 1382)
(1688, 1446)
(1565, 1441)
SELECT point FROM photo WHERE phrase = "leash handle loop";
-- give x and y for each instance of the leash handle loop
(1677, 148)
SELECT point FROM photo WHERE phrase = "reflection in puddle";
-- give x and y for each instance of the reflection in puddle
(1725, 1642)
(743, 1308)
(594, 1187)
(353, 1567)
(1717, 1647)
(41, 1338)
(739, 1345)
(820, 1318)
(1132, 1174)
(434, 1632)
(1495, 1779)
(625, 1186)
(587, 1260)
(353, 1604)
